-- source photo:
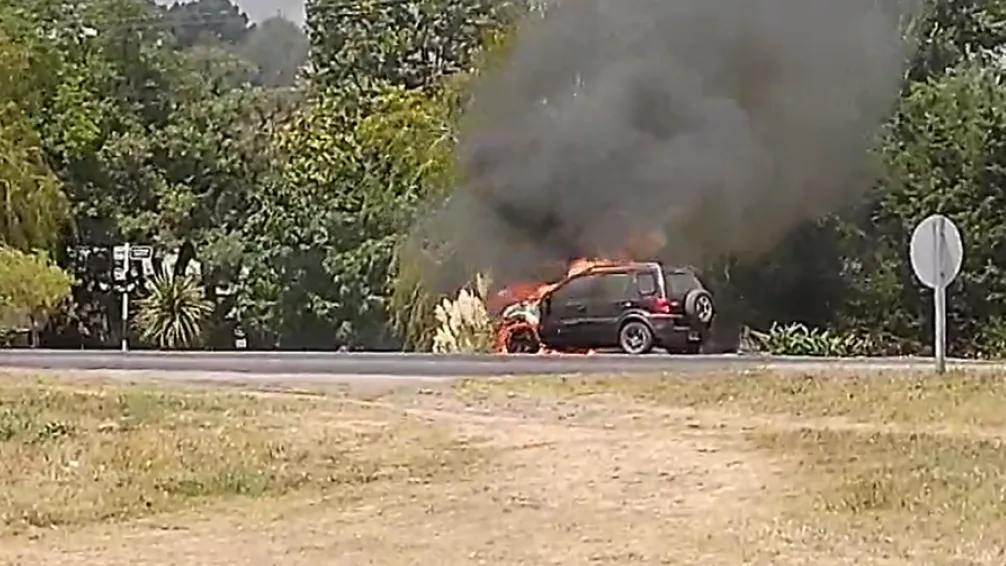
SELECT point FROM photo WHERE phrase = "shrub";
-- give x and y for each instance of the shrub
(32, 289)
(798, 340)
(173, 313)
(463, 324)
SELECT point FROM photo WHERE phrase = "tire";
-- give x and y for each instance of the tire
(699, 306)
(523, 341)
(635, 337)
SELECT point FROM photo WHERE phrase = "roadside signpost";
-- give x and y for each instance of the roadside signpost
(121, 274)
(122, 255)
(937, 254)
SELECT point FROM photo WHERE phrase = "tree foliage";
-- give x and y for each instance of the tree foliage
(945, 155)
(32, 290)
(33, 208)
(208, 21)
(321, 239)
(411, 44)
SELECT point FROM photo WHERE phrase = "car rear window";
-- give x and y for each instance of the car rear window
(647, 284)
(679, 283)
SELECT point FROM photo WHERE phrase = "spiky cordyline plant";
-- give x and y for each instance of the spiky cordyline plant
(173, 313)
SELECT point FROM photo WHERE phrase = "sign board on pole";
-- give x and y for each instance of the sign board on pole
(141, 252)
(119, 253)
(937, 253)
(125, 299)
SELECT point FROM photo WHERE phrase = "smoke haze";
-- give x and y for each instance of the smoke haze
(722, 123)
(261, 10)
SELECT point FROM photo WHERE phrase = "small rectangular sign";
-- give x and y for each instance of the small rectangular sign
(141, 252)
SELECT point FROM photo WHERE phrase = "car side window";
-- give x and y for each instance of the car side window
(577, 290)
(614, 286)
(646, 283)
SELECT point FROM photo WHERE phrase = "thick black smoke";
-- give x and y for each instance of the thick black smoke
(722, 123)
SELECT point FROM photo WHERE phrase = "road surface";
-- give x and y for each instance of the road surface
(400, 365)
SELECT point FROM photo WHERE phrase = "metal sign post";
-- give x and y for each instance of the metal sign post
(940, 297)
(125, 298)
(937, 254)
(122, 255)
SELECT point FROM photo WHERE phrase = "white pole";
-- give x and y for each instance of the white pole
(125, 299)
(940, 299)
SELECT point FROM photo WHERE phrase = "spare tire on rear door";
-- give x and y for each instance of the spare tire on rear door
(699, 306)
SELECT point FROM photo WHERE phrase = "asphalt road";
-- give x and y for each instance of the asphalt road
(392, 365)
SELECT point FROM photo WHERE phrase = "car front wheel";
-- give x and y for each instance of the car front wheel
(522, 341)
(635, 337)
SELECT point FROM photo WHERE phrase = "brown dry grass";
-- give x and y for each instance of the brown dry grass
(717, 469)
(73, 454)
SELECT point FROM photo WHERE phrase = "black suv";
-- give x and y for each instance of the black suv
(635, 307)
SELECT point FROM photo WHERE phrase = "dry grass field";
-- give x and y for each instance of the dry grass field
(719, 469)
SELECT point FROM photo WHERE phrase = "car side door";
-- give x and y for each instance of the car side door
(608, 300)
(566, 312)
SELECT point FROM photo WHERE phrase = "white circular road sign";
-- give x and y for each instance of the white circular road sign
(937, 251)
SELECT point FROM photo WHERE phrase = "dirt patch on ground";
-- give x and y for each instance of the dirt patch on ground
(589, 472)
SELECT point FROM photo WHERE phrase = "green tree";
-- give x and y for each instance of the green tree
(411, 44)
(320, 240)
(950, 33)
(32, 289)
(945, 154)
(208, 21)
(33, 210)
(149, 143)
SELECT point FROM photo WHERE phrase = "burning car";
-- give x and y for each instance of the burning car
(633, 306)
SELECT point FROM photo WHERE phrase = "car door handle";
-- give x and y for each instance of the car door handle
(580, 308)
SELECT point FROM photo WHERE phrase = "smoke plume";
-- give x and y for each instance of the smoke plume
(714, 126)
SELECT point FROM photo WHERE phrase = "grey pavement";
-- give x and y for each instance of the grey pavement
(394, 365)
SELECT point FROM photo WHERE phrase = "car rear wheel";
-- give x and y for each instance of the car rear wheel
(635, 338)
